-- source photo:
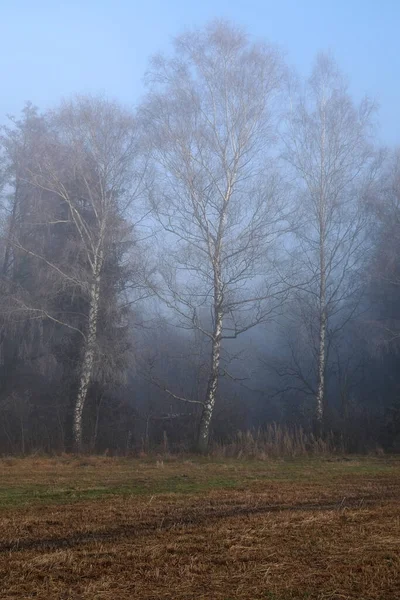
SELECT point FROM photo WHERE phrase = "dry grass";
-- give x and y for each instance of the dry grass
(277, 441)
(121, 529)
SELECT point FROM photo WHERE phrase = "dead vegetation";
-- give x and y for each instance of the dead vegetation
(201, 529)
(279, 441)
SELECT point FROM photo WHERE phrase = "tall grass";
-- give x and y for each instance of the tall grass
(277, 441)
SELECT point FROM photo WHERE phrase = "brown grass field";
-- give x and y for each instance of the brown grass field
(105, 528)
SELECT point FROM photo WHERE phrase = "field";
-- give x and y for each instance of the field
(104, 528)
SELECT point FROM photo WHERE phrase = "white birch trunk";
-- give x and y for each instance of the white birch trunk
(205, 421)
(322, 283)
(321, 352)
(88, 361)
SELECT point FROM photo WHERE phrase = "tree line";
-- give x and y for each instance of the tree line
(222, 256)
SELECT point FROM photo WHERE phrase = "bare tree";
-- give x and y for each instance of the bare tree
(88, 164)
(210, 115)
(327, 144)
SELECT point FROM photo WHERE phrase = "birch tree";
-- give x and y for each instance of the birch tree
(211, 118)
(327, 143)
(88, 163)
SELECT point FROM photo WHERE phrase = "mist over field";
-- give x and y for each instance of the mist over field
(199, 300)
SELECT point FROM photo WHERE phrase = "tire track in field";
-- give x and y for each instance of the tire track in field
(191, 517)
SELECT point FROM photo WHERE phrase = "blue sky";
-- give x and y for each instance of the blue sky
(51, 49)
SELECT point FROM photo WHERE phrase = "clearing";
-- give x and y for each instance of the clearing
(108, 528)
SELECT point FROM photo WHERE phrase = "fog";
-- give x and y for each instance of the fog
(219, 258)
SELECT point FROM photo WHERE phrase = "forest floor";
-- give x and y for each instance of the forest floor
(105, 528)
